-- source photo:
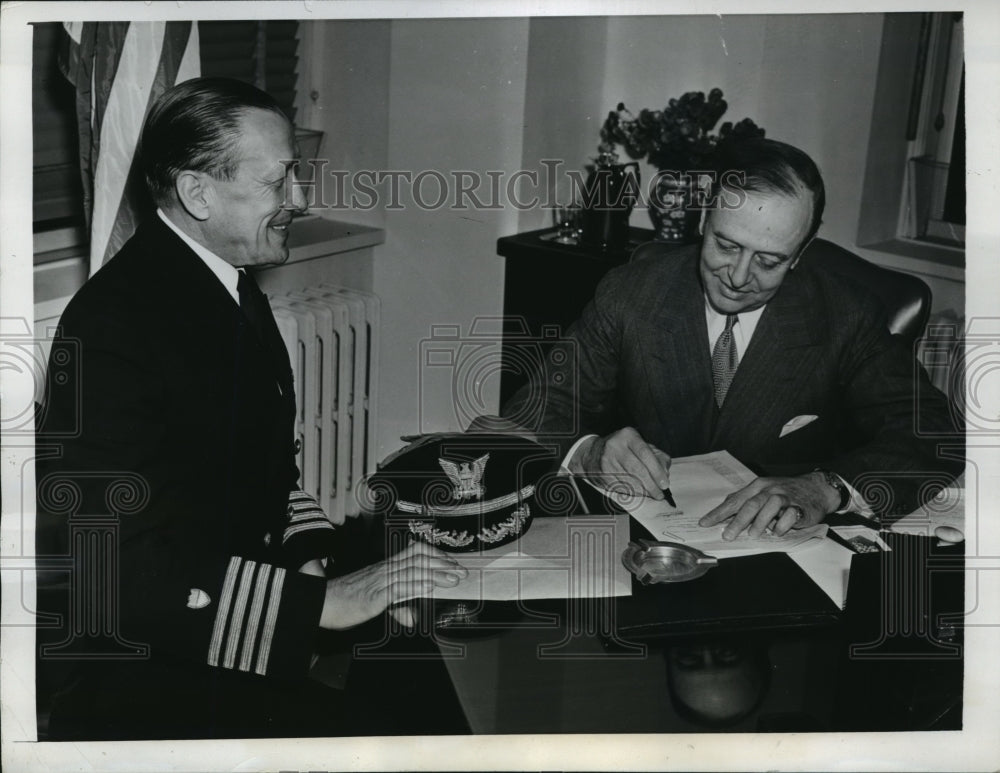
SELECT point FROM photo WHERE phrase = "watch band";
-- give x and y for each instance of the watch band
(833, 480)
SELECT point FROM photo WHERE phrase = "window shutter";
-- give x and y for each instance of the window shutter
(58, 192)
(954, 196)
(264, 53)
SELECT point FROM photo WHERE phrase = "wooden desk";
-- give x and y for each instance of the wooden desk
(868, 673)
(540, 680)
(545, 666)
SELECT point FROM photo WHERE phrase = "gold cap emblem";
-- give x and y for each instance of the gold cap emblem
(466, 480)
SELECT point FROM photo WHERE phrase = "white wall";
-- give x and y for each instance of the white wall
(346, 68)
(817, 93)
(563, 110)
(456, 102)
(651, 60)
(807, 80)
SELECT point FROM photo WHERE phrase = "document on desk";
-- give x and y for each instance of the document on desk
(698, 484)
(556, 558)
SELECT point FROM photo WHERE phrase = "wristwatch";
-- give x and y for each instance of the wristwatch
(833, 480)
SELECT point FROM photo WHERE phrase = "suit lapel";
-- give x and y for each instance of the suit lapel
(267, 335)
(208, 304)
(678, 366)
(197, 292)
(221, 378)
(792, 321)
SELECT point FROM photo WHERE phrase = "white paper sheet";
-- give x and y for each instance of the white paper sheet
(828, 564)
(698, 484)
(556, 558)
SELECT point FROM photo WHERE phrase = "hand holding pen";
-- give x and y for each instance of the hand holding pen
(624, 455)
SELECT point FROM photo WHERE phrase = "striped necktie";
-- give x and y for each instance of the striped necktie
(724, 360)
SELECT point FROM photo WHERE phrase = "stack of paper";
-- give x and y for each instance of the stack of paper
(555, 558)
(699, 484)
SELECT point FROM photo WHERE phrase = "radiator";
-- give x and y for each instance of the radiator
(331, 334)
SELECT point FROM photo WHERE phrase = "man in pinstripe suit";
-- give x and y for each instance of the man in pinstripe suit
(741, 344)
(181, 383)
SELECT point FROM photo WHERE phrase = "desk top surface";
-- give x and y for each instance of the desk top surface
(563, 665)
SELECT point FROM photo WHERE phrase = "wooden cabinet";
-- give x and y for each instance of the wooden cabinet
(546, 286)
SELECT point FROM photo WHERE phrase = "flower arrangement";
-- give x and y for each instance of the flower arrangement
(678, 136)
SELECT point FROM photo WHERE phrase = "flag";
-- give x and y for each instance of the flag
(119, 69)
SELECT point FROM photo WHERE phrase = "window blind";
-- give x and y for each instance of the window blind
(264, 53)
(58, 192)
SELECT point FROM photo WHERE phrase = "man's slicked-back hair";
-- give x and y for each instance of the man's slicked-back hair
(762, 165)
(196, 126)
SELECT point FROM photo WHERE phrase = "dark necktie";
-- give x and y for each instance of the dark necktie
(724, 361)
(250, 303)
(258, 313)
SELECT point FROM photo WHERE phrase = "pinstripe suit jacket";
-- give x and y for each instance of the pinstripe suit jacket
(162, 378)
(821, 348)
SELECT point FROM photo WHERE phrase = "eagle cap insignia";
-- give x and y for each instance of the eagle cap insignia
(466, 479)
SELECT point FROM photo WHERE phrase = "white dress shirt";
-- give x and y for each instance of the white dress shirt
(746, 324)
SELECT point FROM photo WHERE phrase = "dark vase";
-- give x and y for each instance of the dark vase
(610, 194)
(671, 208)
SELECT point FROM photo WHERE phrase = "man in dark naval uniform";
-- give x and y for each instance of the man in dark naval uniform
(180, 389)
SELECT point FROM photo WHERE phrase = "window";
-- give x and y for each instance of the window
(935, 186)
(913, 196)
(58, 193)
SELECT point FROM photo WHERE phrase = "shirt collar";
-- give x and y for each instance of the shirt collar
(748, 319)
(225, 272)
(742, 333)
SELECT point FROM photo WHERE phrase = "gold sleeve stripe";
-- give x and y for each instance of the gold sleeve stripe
(239, 612)
(270, 621)
(222, 614)
(315, 515)
(300, 527)
(256, 610)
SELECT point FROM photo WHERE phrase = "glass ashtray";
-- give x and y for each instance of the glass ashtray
(655, 562)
